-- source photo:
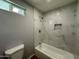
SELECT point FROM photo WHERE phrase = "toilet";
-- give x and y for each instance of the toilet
(15, 52)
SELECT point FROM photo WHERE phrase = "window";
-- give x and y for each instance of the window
(18, 10)
(4, 5)
(9, 6)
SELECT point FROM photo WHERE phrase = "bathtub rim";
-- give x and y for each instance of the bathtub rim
(60, 50)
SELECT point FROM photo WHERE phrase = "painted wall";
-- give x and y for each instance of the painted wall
(16, 29)
(64, 36)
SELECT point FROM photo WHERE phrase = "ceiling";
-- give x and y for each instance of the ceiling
(47, 5)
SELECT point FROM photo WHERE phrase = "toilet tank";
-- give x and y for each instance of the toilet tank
(15, 52)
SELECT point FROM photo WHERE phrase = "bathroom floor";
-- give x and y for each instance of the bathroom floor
(34, 57)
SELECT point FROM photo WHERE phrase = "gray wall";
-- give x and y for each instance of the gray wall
(16, 29)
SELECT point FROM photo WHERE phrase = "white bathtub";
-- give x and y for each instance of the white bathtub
(49, 52)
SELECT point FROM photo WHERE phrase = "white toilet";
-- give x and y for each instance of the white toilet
(16, 52)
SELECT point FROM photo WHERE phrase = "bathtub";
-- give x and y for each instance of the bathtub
(45, 51)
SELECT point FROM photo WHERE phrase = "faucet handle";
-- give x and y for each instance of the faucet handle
(39, 42)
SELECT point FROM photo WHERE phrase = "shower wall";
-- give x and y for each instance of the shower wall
(37, 27)
(59, 27)
(77, 37)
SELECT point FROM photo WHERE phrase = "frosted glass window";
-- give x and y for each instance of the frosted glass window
(15, 9)
(21, 11)
(10, 6)
(18, 10)
(4, 5)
